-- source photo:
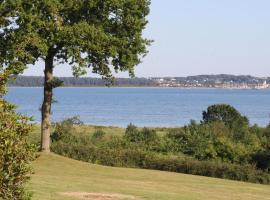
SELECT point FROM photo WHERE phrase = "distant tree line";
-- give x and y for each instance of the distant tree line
(205, 80)
(38, 81)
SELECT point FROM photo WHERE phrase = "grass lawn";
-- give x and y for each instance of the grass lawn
(55, 174)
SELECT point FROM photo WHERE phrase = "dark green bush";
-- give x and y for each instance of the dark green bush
(194, 140)
(76, 151)
(262, 160)
(146, 138)
(15, 151)
(225, 113)
(213, 141)
(146, 135)
(207, 168)
(132, 133)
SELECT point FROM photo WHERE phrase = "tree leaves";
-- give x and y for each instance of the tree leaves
(15, 151)
(103, 35)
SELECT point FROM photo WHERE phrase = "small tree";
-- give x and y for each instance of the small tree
(103, 35)
(15, 152)
(225, 113)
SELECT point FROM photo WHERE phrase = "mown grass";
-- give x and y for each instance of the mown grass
(55, 174)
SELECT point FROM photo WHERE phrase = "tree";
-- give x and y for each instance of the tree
(225, 113)
(15, 151)
(103, 35)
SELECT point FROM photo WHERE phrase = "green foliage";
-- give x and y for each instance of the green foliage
(132, 133)
(117, 152)
(102, 35)
(145, 135)
(15, 151)
(92, 34)
(207, 168)
(262, 160)
(56, 82)
(145, 138)
(215, 149)
(98, 135)
(265, 136)
(200, 149)
(194, 140)
(213, 141)
(65, 128)
(225, 113)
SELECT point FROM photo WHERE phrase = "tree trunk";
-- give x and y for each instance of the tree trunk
(46, 105)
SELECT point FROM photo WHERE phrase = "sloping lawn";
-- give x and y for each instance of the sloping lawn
(58, 178)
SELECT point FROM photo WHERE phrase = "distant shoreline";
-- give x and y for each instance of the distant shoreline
(221, 81)
(157, 87)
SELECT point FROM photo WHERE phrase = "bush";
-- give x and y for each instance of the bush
(212, 141)
(113, 152)
(207, 168)
(146, 137)
(76, 151)
(225, 113)
(15, 151)
(262, 160)
(65, 128)
(98, 135)
(194, 140)
(132, 133)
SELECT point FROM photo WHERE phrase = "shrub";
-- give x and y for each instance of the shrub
(266, 137)
(194, 140)
(98, 135)
(212, 141)
(132, 133)
(15, 151)
(262, 160)
(146, 136)
(65, 128)
(121, 157)
(225, 113)
(207, 168)
(76, 151)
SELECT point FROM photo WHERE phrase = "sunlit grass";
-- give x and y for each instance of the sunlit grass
(55, 174)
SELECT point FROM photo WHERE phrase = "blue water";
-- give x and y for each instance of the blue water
(141, 106)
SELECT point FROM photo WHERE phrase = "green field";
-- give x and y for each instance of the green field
(55, 175)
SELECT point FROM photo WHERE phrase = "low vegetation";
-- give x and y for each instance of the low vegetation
(215, 147)
(15, 150)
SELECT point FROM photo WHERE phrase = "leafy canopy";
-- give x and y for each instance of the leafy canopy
(225, 113)
(103, 35)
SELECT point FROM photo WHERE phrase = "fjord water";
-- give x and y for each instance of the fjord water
(152, 107)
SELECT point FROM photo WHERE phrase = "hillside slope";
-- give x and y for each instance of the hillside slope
(58, 178)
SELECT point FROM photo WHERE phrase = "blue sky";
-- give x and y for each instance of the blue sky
(202, 37)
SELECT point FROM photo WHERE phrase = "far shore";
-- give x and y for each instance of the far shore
(152, 87)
